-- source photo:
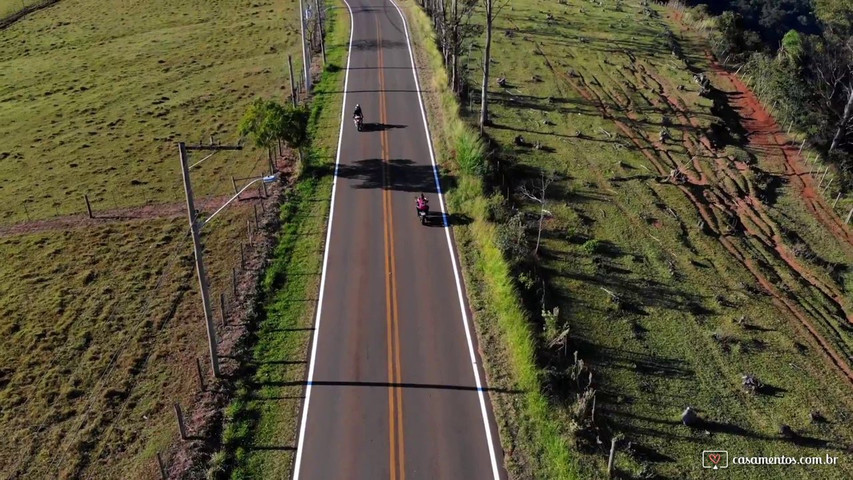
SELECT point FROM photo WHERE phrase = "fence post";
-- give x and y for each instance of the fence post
(826, 188)
(234, 184)
(610, 459)
(162, 466)
(234, 277)
(88, 206)
(200, 375)
(292, 86)
(264, 185)
(222, 309)
(255, 209)
(846, 221)
(823, 177)
(181, 426)
(242, 263)
(249, 230)
(801, 147)
(836, 200)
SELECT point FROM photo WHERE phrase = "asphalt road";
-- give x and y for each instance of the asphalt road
(393, 382)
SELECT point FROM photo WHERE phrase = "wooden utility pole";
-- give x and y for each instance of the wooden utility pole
(197, 248)
(163, 473)
(611, 458)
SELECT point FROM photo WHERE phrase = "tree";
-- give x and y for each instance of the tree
(493, 8)
(267, 122)
(792, 48)
(538, 192)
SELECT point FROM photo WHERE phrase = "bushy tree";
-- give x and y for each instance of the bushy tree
(266, 122)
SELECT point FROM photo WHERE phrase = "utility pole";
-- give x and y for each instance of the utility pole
(304, 53)
(199, 261)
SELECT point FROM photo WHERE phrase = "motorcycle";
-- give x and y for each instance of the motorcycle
(359, 122)
(423, 213)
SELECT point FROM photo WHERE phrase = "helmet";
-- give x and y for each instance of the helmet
(357, 106)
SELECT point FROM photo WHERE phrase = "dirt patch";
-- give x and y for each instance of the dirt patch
(146, 212)
(766, 136)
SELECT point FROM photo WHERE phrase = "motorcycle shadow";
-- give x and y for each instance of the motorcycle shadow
(440, 219)
(378, 127)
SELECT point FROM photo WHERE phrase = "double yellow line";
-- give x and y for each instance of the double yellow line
(395, 394)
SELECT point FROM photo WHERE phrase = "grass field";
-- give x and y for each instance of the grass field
(100, 330)
(670, 290)
(8, 7)
(93, 96)
(95, 350)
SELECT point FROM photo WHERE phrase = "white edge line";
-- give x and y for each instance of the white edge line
(304, 422)
(466, 323)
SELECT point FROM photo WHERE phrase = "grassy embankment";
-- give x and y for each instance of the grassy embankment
(262, 422)
(664, 287)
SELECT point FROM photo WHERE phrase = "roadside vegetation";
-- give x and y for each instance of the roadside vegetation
(261, 423)
(656, 252)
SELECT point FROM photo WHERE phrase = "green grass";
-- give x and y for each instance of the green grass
(73, 301)
(95, 94)
(9, 7)
(82, 110)
(616, 228)
(264, 413)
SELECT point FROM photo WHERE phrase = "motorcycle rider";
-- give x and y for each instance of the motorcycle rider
(357, 112)
(422, 204)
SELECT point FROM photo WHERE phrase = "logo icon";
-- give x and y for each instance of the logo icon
(715, 459)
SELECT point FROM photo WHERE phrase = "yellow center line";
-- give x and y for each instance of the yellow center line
(394, 367)
(388, 308)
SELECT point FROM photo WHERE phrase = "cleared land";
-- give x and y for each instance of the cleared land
(671, 288)
(94, 350)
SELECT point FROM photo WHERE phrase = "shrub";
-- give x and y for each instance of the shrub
(470, 150)
(591, 246)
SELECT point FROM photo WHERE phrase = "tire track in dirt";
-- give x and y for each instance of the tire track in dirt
(703, 206)
(766, 136)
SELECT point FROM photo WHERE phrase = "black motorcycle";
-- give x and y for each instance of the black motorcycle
(359, 122)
